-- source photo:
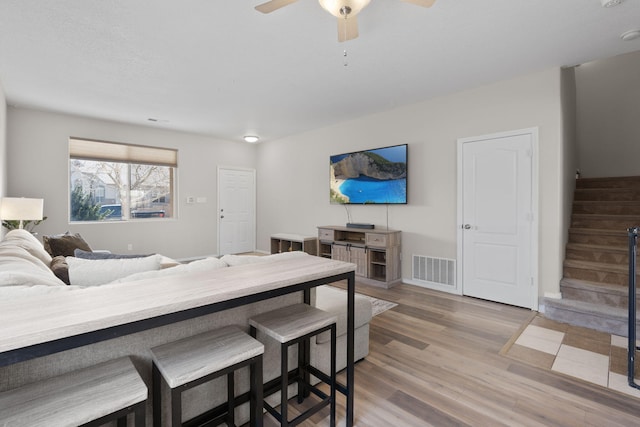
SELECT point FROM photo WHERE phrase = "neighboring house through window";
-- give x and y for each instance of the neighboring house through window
(111, 181)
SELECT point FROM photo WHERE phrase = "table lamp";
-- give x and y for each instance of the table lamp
(21, 209)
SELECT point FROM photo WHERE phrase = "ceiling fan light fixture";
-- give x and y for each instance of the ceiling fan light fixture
(630, 35)
(610, 3)
(343, 8)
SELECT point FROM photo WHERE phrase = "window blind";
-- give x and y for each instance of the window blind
(87, 149)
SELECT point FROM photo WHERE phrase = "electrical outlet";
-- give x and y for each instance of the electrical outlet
(191, 200)
(130, 246)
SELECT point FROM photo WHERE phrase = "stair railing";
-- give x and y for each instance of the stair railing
(631, 354)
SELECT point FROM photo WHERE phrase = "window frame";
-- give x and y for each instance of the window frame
(86, 149)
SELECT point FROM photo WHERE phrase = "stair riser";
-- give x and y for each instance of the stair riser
(604, 224)
(597, 276)
(586, 320)
(606, 208)
(605, 257)
(618, 182)
(601, 298)
(598, 239)
(608, 194)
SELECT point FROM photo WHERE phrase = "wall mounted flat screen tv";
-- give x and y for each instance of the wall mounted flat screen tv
(376, 176)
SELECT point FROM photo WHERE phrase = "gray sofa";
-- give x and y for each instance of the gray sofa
(24, 271)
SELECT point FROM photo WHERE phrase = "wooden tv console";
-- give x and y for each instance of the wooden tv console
(376, 253)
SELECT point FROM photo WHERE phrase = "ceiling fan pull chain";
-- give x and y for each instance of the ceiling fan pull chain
(346, 64)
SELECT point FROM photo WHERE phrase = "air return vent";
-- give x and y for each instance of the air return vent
(434, 270)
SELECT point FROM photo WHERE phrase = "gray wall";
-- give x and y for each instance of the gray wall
(608, 96)
(38, 167)
(293, 173)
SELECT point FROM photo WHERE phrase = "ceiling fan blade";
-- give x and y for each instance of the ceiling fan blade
(423, 3)
(347, 28)
(272, 5)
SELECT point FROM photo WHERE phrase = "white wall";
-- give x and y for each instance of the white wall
(3, 142)
(293, 173)
(38, 152)
(608, 95)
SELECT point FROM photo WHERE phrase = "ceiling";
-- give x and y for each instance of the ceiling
(220, 68)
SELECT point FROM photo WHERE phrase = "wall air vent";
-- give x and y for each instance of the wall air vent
(435, 270)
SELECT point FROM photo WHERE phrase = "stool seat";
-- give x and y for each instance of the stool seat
(195, 357)
(292, 322)
(77, 398)
(194, 360)
(295, 325)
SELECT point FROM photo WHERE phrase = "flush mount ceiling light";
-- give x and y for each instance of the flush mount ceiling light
(610, 3)
(252, 139)
(630, 35)
(345, 10)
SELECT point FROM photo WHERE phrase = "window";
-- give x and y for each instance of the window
(110, 181)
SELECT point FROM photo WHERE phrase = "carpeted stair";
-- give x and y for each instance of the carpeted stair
(596, 269)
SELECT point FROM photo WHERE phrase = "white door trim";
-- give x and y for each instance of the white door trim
(533, 132)
(253, 171)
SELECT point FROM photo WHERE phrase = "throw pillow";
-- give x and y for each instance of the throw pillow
(64, 244)
(93, 272)
(79, 253)
(60, 268)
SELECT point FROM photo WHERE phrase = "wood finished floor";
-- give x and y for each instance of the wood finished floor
(435, 361)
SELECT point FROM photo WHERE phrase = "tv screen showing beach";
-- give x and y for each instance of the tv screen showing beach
(377, 176)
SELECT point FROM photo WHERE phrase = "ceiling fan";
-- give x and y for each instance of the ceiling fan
(344, 10)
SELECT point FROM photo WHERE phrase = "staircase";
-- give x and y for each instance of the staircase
(595, 281)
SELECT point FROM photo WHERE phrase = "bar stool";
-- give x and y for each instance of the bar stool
(191, 361)
(291, 325)
(87, 397)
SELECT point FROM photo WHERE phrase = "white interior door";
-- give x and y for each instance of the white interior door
(497, 219)
(236, 210)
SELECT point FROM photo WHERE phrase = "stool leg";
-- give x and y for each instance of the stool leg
(140, 416)
(332, 415)
(122, 421)
(157, 399)
(284, 383)
(231, 395)
(256, 393)
(301, 372)
(176, 407)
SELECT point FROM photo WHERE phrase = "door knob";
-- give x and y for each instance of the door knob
(467, 226)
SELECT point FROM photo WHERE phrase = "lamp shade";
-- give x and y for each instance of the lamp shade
(21, 209)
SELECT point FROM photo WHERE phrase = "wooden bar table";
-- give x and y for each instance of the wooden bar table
(53, 322)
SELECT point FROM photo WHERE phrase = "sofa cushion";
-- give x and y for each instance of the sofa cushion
(199, 265)
(24, 239)
(64, 244)
(334, 300)
(93, 272)
(18, 267)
